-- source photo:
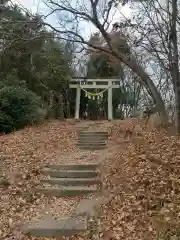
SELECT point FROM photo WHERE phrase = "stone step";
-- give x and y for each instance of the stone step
(89, 141)
(66, 191)
(71, 173)
(72, 181)
(85, 128)
(49, 227)
(73, 166)
(90, 147)
(92, 137)
(95, 132)
(93, 143)
(82, 129)
(88, 133)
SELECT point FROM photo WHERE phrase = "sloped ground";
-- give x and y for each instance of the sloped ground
(22, 155)
(143, 175)
(145, 178)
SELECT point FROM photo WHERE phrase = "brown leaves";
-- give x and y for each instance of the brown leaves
(22, 155)
(108, 235)
(145, 176)
(4, 183)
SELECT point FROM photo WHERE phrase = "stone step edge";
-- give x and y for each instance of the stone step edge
(94, 132)
(69, 171)
(91, 143)
(91, 147)
(82, 166)
(70, 174)
(56, 227)
(72, 181)
(88, 134)
(65, 192)
(103, 137)
(96, 137)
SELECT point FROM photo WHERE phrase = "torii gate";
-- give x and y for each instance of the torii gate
(100, 83)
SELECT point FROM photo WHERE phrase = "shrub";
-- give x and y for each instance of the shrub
(18, 108)
(6, 123)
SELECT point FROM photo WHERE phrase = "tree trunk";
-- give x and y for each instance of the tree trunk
(51, 104)
(61, 106)
(150, 86)
(67, 105)
(131, 62)
(175, 62)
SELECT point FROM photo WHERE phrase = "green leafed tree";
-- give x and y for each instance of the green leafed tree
(102, 65)
(33, 59)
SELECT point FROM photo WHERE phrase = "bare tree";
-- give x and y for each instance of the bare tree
(154, 35)
(98, 14)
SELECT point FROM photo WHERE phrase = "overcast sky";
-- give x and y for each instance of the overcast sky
(86, 28)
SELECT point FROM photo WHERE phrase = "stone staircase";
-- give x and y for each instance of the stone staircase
(71, 181)
(89, 140)
(66, 181)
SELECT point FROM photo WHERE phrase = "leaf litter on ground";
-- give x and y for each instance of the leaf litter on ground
(145, 178)
(22, 156)
(143, 175)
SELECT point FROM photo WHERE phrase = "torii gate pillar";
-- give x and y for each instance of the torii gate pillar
(78, 97)
(110, 107)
